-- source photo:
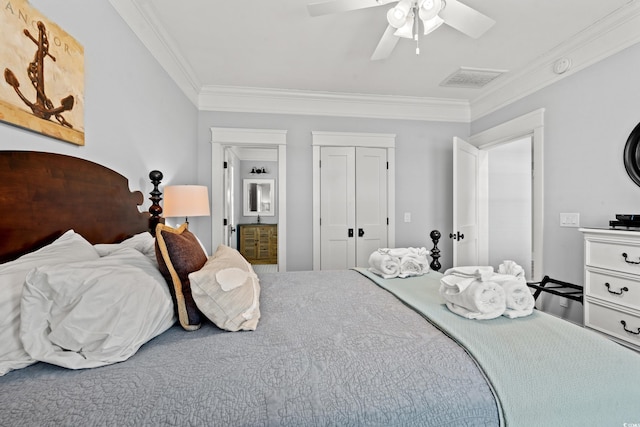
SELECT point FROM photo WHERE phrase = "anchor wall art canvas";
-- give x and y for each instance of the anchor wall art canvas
(42, 88)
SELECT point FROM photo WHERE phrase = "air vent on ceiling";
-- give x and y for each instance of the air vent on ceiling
(471, 77)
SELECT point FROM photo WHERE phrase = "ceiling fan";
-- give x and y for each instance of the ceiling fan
(402, 19)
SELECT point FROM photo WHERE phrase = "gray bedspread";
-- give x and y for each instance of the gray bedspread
(331, 349)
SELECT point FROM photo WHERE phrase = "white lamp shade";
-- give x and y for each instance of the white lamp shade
(186, 200)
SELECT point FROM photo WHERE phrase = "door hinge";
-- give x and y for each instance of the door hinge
(319, 163)
(225, 222)
(387, 221)
(387, 165)
(224, 165)
(533, 274)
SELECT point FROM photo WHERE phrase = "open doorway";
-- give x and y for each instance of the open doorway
(251, 180)
(529, 127)
(241, 146)
(510, 203)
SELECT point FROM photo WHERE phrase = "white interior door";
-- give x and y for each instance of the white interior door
(371, 202)
(337, 208)
(227, 186)
(467, 206)
(353, 205)
(376, 216)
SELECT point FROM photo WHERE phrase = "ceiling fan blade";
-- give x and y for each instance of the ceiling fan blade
(386, 44)
(336, 6)
(465, 19)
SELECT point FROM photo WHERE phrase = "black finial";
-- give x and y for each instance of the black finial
(155, 209)
(435, 252)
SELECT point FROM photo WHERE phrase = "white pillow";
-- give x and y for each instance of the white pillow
(142, 242)
(94, 313)
(69, 247)
(227, 291)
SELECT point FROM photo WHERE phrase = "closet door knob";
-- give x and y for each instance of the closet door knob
(458, 236)
(350, 232)
(360, 232)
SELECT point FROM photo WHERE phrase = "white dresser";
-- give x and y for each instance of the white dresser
(612, 284)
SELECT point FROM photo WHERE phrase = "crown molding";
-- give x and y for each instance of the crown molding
(281, 101)
(141, 18)
(615, 32)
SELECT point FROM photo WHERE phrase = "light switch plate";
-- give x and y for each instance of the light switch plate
(569, 220)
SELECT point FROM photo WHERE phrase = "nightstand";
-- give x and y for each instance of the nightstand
(612, 284)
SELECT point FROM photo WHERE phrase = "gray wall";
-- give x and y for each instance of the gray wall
(136, 118)
(423, 173)
(588, 118)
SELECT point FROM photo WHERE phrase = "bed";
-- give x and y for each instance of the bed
(330, 347)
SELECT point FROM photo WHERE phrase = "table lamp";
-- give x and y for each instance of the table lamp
(186, 201)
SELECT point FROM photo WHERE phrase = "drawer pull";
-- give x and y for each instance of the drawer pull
(624, 255)
(624, 325)
(622, 290)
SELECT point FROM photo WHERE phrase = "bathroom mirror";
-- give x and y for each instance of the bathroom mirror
(259, 197)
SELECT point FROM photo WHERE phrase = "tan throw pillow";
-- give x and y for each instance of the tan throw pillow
(179, 253)
(227, 291)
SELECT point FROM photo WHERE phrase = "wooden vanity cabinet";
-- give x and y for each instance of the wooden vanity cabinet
(258, 243)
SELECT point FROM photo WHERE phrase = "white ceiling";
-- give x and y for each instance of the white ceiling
(220, 51)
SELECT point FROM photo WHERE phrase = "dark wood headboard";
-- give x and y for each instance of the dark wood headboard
(42, 195)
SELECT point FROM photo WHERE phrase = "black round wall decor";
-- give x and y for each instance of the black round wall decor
(632, 155)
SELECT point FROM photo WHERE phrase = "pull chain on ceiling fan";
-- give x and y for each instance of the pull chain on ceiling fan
(403, 23)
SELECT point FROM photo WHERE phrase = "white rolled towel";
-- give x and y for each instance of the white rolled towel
(396, 252)
(477, 272)
(415, 263)
(519, 300)
(383, 264)
(512, 268)
(479, 300)
(459, 278)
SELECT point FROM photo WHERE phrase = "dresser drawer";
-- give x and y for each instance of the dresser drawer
(616, 288)
(608, 320)
(610, 255)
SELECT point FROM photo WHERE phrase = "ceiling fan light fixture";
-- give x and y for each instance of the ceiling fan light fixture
(432, 24)
(393, 18)
(397, 16)
(426, 4)
(429, 9)
(406, 31)
(405, 16)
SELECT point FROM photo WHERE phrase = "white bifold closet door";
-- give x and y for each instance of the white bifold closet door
(353, 205)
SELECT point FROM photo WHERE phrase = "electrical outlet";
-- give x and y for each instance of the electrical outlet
(569, 220)
(407, 217)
